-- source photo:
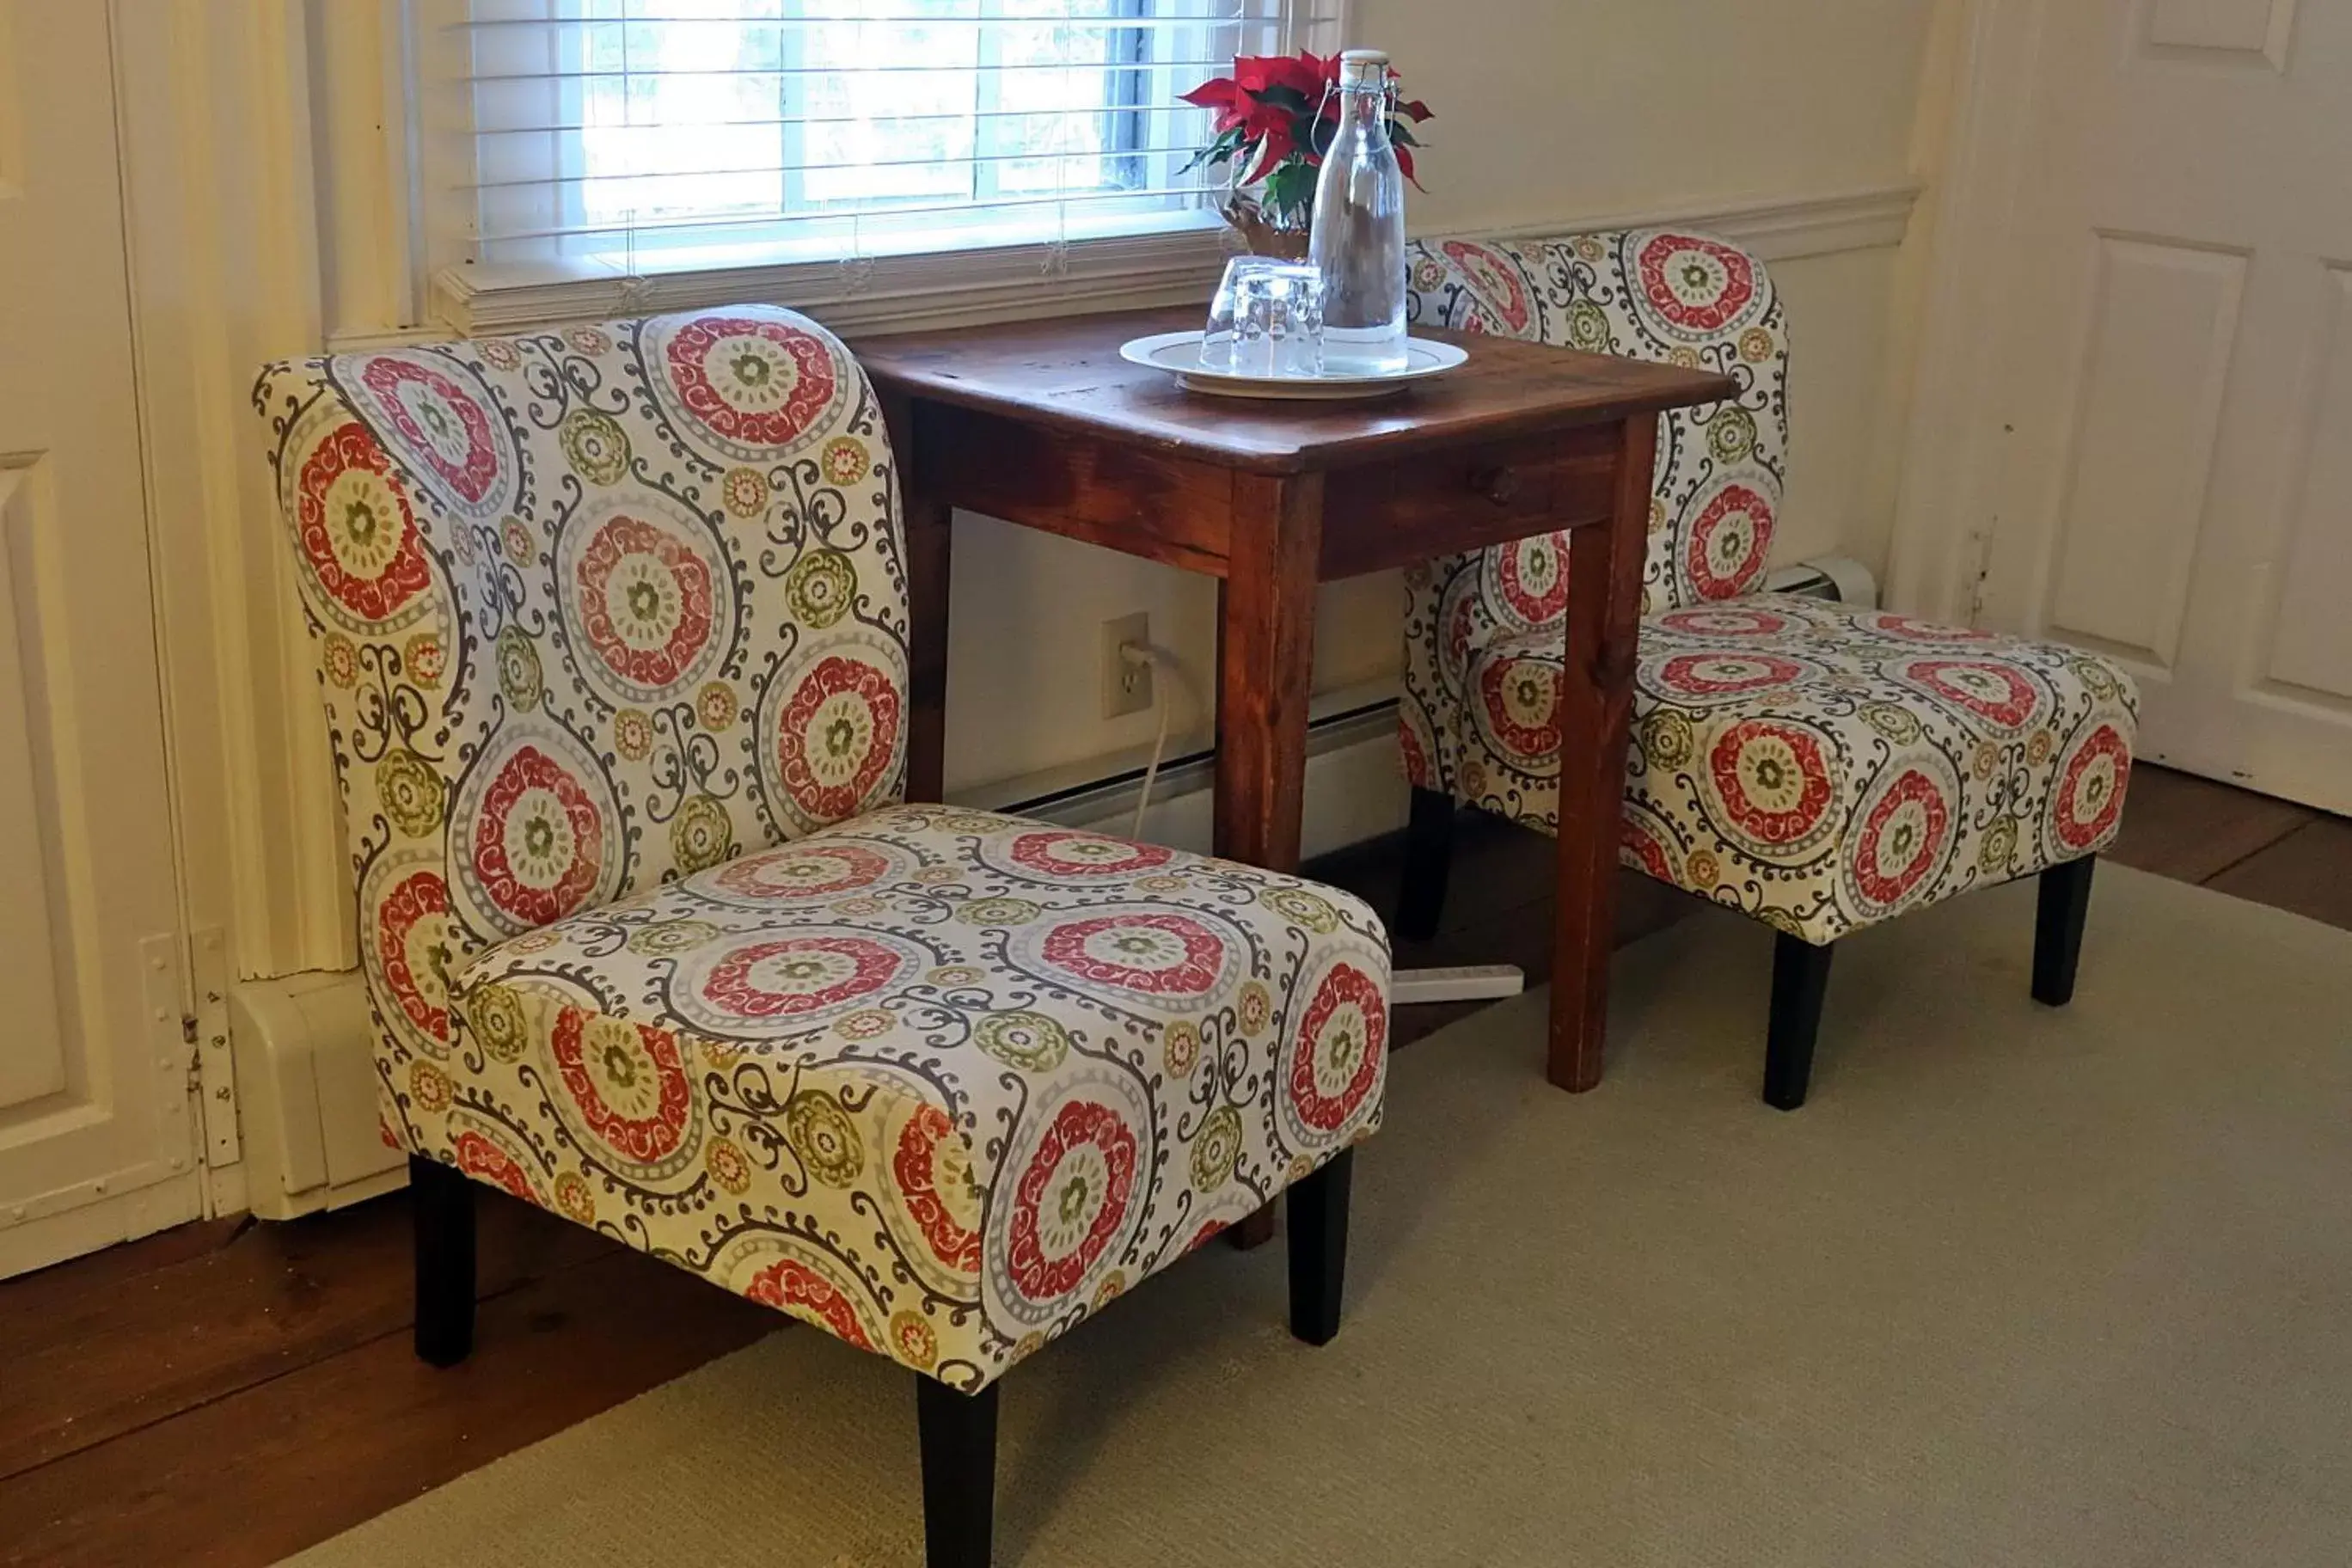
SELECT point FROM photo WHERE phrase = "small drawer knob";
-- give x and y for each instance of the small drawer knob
(1500, 486)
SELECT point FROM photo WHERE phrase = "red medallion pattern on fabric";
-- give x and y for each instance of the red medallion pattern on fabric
(2089, 802)
(934, 1176)
(838, 736)
(803, 871)
(1521, 702)
(1905, 832)
(1066, 855)
(413, 946)
(1496, 284)
(791, 1286)
(1158, 954)
(1773, 781)
(1729, 542)
(1341, 1042)
(1700, 286)
(486, 1162)
(440, 423)
(1910, 628)
(756, 382)
(1532, 576)
(627, 1080)
(646, 603)
(798, 976)
(356, 528)
(1726, 674)
(1998, 693)
(1071, 1200)
(538, 842)
(1723, 621)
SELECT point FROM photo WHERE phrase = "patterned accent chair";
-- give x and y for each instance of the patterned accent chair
(611, 625)
(1818, 766)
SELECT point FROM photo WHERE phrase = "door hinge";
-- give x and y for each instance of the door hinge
(215, 1074)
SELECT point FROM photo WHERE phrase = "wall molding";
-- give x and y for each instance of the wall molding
(1777, 228)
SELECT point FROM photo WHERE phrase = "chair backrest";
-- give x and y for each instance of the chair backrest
(594, 609)
(1669, 297)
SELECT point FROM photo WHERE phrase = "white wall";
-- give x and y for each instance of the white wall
(1550, 115)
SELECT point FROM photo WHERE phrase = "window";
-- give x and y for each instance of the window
(648, 136)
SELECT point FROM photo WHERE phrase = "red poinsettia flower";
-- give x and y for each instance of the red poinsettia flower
(1276, 115)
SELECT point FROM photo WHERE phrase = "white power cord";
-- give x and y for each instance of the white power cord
(1467, 982)
(1158, 660)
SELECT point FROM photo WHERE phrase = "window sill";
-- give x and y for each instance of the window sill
(876, 294)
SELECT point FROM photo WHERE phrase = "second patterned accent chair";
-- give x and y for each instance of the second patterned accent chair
(1818, 766)
(612, 628)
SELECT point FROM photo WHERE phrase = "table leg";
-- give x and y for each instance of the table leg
(930, 533)
(1265, 671)
(1596, 700)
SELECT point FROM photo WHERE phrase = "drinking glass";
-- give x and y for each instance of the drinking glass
(1266, 319)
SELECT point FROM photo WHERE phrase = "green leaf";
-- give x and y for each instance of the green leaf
(1223, 150)
(1290, 189)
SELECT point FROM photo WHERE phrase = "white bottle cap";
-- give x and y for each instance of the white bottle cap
(1364, 68)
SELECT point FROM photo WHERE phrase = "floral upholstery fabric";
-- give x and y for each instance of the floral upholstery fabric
(1824, 768)
(1647, 294)
(941, 1082)
(1819, 767)
(599, 613)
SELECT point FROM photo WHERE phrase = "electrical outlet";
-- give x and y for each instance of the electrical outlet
(1125, 688)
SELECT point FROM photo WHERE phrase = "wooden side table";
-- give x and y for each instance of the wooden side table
(1041, 424)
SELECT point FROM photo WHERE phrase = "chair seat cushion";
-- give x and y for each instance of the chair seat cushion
(1823, 767)
(941, 1082)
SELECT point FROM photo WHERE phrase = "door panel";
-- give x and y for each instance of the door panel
(2310, 645)
(2173, 482)
(36, 1068)
(95, 1140)
(2164, 318)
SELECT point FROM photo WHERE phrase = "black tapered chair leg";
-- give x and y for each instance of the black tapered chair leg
(2066, 905)
(1428, 858)
(442, 1200)
(959, 1439)
(1319, 1250)
(1801, 979)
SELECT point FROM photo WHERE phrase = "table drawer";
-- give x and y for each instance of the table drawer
(1391, 514)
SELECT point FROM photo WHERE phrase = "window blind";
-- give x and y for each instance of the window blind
(666, 134)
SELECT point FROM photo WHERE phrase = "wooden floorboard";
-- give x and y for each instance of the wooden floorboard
(2192, 829)
(273, 1300)
(2308, 871)
(251, 1477)
(228, 1392)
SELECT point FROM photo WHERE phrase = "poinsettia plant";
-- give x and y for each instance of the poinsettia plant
(1275, 116)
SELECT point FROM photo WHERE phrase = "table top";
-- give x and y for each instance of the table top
(1066, 374)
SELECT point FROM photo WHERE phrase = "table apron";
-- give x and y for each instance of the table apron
(1411, 509)
(1155, 505)
(1180, 511)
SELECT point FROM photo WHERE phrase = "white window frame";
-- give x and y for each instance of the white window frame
(1174, 262)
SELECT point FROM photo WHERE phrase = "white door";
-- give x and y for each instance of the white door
(94, 1117)
(2173, 375)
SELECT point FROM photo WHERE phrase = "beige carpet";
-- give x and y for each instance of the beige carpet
(2019, 1286)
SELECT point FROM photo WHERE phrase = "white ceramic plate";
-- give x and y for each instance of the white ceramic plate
(1179, 353)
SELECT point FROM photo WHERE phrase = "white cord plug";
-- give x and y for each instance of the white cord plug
(1144, 656)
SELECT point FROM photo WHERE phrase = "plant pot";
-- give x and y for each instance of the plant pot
(1262, 235)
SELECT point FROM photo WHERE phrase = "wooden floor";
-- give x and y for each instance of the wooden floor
(230, 1392)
